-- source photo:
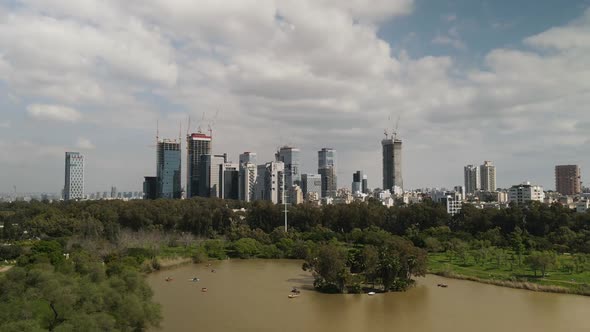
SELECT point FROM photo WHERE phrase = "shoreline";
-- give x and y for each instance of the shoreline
(531, 286)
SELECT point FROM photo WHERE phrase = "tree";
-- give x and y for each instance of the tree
(328, 266)
(541, 261)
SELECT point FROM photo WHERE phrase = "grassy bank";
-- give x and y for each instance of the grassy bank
(511, 274)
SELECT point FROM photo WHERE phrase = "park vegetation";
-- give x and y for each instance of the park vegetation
(347, 247)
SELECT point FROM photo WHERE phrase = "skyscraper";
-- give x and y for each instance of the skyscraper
(168, 168)
(248, 175)
(74, 177)
(487, 173)
(248, 157)
(229, 182)
(290, 157)
(211, 179)
(365, 184)
(150, 187)
(327, 170)
(270, 182)
(197, 144)
(311, 183)
(392, 163)
(567, 179)
(471, 176)
(357, 184)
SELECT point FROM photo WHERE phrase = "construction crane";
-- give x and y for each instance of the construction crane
(396, 127)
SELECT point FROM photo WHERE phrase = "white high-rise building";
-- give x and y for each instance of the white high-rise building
(487, 173)
(74, 179)
(471, 175)
(270, 182)
(526, 192)
(248, 175)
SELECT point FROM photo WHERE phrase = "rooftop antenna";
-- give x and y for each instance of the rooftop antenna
(385, 131)
(157, 131)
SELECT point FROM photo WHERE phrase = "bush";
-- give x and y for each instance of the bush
(200, 257)
(10, 252)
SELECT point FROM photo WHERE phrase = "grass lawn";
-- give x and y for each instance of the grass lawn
(439, 263)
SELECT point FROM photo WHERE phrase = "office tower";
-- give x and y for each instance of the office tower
(392, 163)
(471, 176)
(295, 195)
(327, 170)
(365, 184)
(260, 184)
(311, 183)
(113, 192)
(168, 168)
(197, 145)
(487, 173)
(567, 179)
(248, 157)
(74, 179)
(290, 157)
(248, 175)
(357, 182)
(210, 175)
(230, 178)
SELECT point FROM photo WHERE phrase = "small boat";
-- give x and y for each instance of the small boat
(169, 279)
(195, 279)
(295, 290)
(213, 270)
(291, 296)
(443, 285)
(371, 293)
(204, 289)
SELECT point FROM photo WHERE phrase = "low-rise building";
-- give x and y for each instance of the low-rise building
(525, 192)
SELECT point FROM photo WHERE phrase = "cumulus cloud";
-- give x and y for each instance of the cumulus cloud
(308, 72)
(53, 112)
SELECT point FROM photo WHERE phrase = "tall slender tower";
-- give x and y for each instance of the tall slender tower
(168, 167)
(487, 173)
(567, 179)
(74, 179)
(327, 170)
(392, 163)
(197, 145)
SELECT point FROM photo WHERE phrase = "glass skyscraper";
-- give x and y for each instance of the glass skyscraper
(327, 170)
(168, 169)
(198, 144)
(290, 157)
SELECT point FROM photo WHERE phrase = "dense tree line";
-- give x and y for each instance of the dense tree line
(538, 226)
(50, 290)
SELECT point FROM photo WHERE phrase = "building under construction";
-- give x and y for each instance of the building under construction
(197, 145)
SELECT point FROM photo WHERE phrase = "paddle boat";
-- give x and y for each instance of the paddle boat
(204, 289)
(168, 279)
(292, 296)
(443, 285)
(371, 293)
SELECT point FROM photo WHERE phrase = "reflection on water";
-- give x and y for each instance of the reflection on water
(252, 295)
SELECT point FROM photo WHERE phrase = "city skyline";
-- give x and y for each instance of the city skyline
(465, 79)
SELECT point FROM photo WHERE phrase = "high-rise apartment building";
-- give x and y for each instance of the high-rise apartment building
(311, 183)
(150, 187)
(392, 163)
(327, 171)
(197, 145)
(567, 179)
(168, 168)
(290, 157)
(74, 176)
(487, 173)
(471, 175)
(248, 175)
(270, 182)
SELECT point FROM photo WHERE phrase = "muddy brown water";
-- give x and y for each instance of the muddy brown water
(252, 295)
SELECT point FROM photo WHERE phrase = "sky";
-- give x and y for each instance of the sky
(506, 81)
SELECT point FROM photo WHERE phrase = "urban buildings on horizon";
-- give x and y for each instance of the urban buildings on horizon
(568, 179)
